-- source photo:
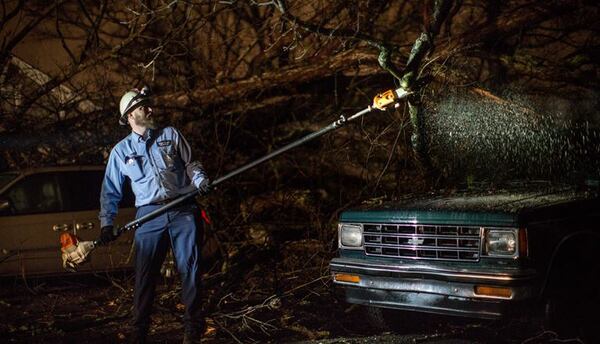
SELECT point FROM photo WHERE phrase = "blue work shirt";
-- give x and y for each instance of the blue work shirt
(159, 165)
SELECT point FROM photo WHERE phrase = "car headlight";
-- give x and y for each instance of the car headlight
(350, 235)
(500, 242)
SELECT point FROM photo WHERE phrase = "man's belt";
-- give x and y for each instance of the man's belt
(163, 202)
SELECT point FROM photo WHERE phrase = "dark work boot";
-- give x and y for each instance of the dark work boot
(193, 332)
(138, 336)
(191, 337)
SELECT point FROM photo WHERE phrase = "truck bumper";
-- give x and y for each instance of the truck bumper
(432, 290)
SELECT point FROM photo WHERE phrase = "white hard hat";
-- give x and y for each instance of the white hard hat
(131, 101)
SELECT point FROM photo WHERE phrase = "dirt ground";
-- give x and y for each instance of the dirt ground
(277, 297)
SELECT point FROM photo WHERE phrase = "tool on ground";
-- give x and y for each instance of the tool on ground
(76, 252)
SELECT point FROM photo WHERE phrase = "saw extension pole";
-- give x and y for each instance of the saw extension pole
(380, 102)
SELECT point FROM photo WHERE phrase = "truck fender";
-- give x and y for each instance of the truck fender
(564, 250)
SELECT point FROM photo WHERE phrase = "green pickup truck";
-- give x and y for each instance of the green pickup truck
(486, 253)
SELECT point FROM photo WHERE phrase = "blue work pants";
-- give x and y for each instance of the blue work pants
(179, 228)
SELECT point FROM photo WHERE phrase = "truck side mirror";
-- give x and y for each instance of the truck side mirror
(4, 206)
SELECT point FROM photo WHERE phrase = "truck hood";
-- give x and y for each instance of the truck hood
(490, 207)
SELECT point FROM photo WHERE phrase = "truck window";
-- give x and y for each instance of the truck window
(35, 194)
(6, 178)
(83, 190)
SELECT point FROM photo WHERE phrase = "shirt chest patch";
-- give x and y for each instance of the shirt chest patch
(164, 143)
(131, 159)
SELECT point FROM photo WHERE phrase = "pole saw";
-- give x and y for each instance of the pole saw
(75, 252)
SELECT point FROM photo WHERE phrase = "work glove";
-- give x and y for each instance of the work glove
(108, 234)
(204, 188)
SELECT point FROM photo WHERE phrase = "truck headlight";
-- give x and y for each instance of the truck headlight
(350, 235)
(500, 242)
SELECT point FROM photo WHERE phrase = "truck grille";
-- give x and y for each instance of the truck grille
(423, 241)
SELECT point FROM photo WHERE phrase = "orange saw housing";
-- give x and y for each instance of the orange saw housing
(67, 240)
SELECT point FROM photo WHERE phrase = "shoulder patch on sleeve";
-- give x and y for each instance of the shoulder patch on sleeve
(164, 143)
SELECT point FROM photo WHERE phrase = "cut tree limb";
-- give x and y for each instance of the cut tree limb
(226, 93)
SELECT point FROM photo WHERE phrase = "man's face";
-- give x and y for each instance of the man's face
(142, 117)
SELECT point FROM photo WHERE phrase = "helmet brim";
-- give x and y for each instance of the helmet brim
(132, 107)
(123, 120)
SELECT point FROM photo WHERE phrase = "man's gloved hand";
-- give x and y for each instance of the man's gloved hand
(107, 234)
(204, 188)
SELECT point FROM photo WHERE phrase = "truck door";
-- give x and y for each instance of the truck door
(29, 229)
(83, 204)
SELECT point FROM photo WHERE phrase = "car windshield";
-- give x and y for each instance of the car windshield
(6, 178)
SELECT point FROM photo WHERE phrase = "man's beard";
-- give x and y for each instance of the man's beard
(143, 121)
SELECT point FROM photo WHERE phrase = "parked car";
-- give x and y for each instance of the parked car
(486, 253)
(37, 205)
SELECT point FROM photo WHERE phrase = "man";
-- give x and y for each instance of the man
(159, 165)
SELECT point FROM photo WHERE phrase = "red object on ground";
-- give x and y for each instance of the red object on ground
(205, 216)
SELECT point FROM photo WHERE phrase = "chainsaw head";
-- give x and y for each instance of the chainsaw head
(74, 251)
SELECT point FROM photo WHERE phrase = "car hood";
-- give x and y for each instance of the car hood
(490, 207)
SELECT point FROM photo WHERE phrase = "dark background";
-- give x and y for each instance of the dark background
(502, 89)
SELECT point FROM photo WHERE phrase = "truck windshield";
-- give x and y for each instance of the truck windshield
(6, 178)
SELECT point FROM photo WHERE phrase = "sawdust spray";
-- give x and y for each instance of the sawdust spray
(482, 137)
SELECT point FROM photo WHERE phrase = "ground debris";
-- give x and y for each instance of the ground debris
(281, 292)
